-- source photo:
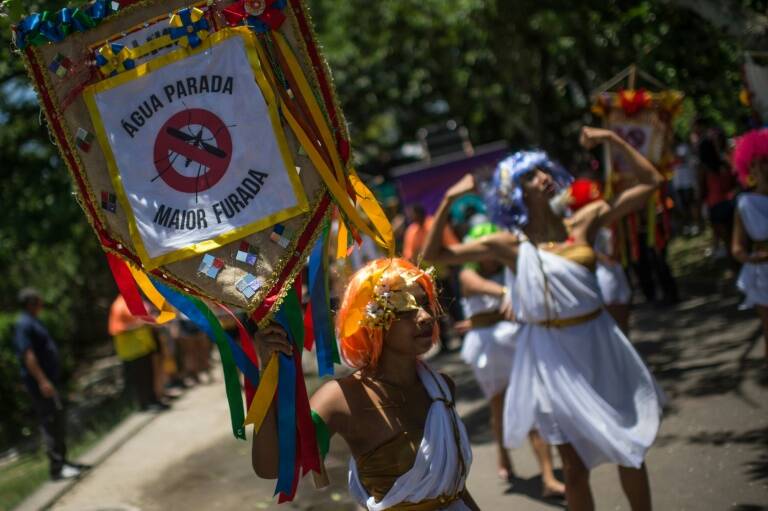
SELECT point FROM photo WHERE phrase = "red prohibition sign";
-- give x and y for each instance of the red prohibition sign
(183, 142)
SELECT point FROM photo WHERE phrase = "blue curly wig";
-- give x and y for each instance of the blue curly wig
(504, 195)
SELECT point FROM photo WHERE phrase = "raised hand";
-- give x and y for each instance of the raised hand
(465, 185)
(591, 137)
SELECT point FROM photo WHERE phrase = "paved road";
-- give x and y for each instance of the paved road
(711, 453)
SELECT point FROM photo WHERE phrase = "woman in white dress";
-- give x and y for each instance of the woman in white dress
(576, 378)
(750, 232)
(611, 278)
(410, 450)
(489, 348)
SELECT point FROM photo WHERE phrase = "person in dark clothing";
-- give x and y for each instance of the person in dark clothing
(41, 373)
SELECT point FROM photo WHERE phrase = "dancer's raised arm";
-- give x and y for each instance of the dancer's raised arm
(499, 246)
(635, 197)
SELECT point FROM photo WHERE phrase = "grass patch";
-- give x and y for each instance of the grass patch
(22, 477)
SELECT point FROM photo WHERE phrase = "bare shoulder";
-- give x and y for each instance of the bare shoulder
(330, 402)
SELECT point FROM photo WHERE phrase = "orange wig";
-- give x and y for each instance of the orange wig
(360, 342)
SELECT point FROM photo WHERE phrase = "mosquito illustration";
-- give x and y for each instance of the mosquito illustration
(198, 140)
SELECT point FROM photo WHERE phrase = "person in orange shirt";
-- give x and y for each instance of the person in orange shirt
(416, 234)
(135, 345)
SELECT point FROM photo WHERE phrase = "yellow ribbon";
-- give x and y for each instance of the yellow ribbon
(153, 295)
(342, 241)
(373, 211)
(336, 184)
(262, 399)
(314, 108)
(150, 46)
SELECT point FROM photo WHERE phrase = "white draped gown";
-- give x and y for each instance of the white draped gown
(611, 279)
(753, 279)
(583, 384)
(489, 350)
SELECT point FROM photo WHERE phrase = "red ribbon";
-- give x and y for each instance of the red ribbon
(128, 287)
(309, 332)
(247, 344)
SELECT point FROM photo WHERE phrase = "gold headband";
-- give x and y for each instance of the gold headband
(390, 297)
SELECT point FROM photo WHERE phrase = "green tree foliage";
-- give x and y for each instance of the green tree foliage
(518, 70)
(45, 240)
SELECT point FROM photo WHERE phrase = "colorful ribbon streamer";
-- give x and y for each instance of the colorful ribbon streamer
(322, 434)
(333, 178)
(127, 287)
(322, 325)
(286, 422)
(166, 312)
(246, 343)
(199, 314)
(265, 394)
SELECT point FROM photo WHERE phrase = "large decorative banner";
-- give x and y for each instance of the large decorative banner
(196, 163)
(209, 153)
(644, 120)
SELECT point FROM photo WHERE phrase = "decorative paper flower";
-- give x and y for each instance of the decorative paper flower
(260, 15)
(114, 58)
(190, 27)
(632, 101)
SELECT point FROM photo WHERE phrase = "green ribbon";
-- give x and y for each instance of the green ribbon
(322, 434)
(231, 378)
(291, 309)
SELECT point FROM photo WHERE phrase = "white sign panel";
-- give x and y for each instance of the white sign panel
(195, 150)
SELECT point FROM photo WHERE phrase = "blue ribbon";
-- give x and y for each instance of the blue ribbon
(286, 424)
(256, 25)
(321, 314)
(98, 10)
(183, 31)
(28, 25)
(286, 405)
(64, 19)
(188, 308)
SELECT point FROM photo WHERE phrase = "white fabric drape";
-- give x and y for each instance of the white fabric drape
(435, 470)
(753, 279)
(584, 384)
(489, 350)
(611, 279)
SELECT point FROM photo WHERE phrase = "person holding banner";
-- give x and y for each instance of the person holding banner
(750, 231)
(576, 378)
(410, 449)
